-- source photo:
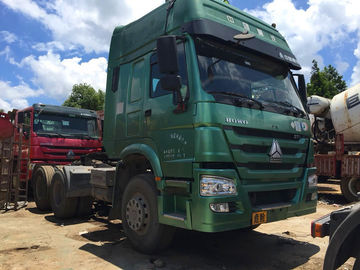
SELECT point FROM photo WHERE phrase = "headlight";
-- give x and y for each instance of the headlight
(313, 180)
(215, 186)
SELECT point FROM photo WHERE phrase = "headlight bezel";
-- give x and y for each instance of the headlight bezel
(209, 184)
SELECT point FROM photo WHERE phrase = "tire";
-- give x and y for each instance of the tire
(140, 216)
(41, 185)
(84, 208)
(62, 207)
(349, 188)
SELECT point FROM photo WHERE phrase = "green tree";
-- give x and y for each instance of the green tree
(84, 96)
(1, 110)
(325, 83)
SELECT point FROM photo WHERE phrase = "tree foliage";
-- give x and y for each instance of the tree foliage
(84, 96)
(325, 83)
(2, 110)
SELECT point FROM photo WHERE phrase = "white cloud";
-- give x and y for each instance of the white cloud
(84, 23)
(341, 66)
(57, 76)
(7, 37)
(355, 77)
(5, 52)
(324, 23)
(5, 105)
(15, 96)
(49, 46)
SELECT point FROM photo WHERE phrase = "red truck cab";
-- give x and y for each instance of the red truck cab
(58, 135)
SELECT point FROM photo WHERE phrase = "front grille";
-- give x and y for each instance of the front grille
(272, 197)
(264, 133)
(265, 149)
(67, 147)
(268, 166)
(251, 147)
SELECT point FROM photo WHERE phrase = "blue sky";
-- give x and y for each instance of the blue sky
(47, 46)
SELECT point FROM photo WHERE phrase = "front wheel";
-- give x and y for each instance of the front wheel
(140, 216)
(350, 187)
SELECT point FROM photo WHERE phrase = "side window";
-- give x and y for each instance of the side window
(115, 79)
(155, 88)
(27, 120)
(137, 81)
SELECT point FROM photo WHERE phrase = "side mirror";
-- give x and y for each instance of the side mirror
(167, 55)
(20, 118)
(169, 68)
(171, 82)
(302, 88)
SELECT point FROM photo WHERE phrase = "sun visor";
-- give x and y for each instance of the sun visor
(204, 27)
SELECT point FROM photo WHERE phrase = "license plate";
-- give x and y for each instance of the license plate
(259, 218)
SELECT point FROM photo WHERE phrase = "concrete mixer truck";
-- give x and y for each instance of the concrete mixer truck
(336, 129)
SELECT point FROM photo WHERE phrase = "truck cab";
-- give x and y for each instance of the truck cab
(205, 126)
(55, 135)
(237, 142)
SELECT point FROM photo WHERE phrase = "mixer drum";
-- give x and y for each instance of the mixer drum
(345, 114)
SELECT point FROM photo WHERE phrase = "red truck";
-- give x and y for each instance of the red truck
(55, 135)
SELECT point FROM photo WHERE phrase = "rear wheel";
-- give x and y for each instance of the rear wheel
(350, 187)
(140, 216)
(41, 183)
(62, 206)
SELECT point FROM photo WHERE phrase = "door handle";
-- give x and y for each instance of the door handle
(148, 113)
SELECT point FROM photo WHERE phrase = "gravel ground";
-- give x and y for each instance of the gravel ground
(30, 239)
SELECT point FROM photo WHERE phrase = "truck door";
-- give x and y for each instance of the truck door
(171, 132)
(134, 115)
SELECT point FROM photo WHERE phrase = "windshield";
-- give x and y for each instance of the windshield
(65, 125)
(230, 72)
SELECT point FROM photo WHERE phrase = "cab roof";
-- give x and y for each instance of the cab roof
(138, 37)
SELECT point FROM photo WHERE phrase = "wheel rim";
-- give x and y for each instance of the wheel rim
(40, 187)
(137, 214)
(354, 186)
(58, 193)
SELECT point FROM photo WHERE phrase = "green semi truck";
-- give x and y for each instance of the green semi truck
(205, 127)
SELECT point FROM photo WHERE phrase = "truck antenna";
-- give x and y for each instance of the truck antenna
(171, 5)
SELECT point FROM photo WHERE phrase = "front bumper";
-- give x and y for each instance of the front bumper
(299, 202)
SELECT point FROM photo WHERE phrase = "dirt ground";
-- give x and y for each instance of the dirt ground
(30, 239)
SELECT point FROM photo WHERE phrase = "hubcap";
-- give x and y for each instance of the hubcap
(137, 214)
(354, 186)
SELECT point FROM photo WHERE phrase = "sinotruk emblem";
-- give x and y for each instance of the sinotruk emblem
(275, 152)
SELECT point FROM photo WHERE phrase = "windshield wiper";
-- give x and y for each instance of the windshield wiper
(289, 105)
(242, 97)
